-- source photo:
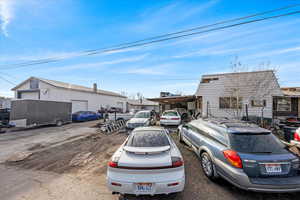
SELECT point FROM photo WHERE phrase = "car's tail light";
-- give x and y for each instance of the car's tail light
(116, 184)
(163, 118)
(175, 118)
(297, 136)
(233, 158)
(177, 162)
(113, 164)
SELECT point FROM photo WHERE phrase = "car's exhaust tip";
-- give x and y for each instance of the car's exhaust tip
(113, 193)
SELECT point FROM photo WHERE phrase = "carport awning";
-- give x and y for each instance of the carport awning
(174, 99)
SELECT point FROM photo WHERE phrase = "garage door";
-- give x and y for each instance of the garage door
(29, 95)
(78, 105)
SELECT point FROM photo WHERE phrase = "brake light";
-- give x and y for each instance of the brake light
(163, 118)
(177, 162)
(233, 158)
(175, 118)
(116, 184)
(297, 136)
(113, 164)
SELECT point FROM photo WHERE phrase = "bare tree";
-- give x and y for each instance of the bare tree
(123, 93)
(140, 97)
(244, 87)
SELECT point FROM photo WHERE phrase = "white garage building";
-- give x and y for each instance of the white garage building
(82, 98)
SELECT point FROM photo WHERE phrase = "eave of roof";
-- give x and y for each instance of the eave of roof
(287, 91)
(233, 73)
(173, 98)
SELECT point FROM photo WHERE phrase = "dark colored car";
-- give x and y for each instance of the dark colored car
(247, 156)
(82, 116)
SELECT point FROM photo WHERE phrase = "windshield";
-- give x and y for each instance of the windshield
(142, 115)
(148, 139)
(256, 143)
(79, 112)
(170, 113)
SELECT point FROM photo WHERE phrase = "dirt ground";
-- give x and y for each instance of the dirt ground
(86, 159)
(94, 150)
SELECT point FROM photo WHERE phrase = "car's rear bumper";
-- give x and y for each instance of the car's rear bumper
(170, 122)
(158, 187)
(159, 182)
(238, 178)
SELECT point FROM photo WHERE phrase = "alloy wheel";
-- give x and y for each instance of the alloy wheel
(206, 164)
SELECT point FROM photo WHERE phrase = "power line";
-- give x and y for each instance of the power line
(95, 51)
(135, 44)
(8, 81)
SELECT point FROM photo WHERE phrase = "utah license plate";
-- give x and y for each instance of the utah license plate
(144, 187)
(273, 168)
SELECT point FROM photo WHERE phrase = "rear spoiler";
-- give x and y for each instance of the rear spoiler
(146, 150)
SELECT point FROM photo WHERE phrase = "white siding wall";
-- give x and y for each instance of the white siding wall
(211, 92)
(95, 101)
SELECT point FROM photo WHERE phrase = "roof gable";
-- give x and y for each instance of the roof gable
(247, 82)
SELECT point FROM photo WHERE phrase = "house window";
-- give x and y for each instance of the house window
(284, 104)
(259, 103)
(230, 102)
(34, 84)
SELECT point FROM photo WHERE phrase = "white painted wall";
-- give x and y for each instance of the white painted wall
(30, 95)
(95, 101)
(211, 92)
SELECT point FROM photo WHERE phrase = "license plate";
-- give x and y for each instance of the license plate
(144, 187)
(273, 168)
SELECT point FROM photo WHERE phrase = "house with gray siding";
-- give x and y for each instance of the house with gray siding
(236, 95)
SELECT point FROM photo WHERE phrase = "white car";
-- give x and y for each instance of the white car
(147, 163)
(170, 117)
(141, 118)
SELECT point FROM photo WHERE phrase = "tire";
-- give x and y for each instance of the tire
(59, 123)
(180, 138)
(208, 166)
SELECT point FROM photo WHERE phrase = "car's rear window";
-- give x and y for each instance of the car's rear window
(256, 143)
(142, 115)
(170, 113)
(148, 139)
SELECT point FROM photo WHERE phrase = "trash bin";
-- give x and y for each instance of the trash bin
(289, 132)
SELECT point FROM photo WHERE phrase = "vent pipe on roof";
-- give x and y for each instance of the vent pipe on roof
(95, 87)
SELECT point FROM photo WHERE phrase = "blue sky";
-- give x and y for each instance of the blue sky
(34, 29)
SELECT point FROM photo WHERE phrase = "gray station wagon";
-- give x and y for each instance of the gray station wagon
(244, 154)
